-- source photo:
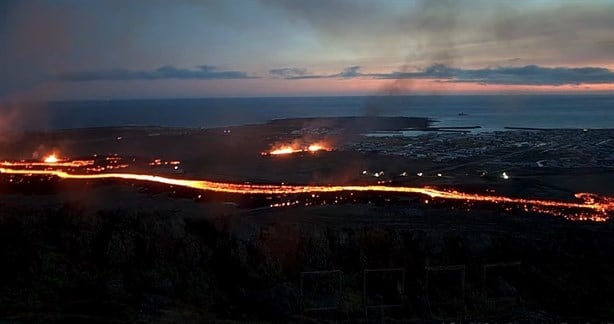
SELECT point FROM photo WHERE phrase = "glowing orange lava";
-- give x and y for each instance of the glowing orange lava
(295, 148)
(285, 150)
(315, 148)
(594, 207)
(51, 159)
(47, 162)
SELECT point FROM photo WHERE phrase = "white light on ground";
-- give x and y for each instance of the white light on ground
(505, 176)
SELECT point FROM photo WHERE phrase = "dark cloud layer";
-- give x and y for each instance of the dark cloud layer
(204, 72)
(301, 73)
(524, 75)
(288, 73)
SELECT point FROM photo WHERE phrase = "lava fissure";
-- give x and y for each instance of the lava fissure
(598, 207)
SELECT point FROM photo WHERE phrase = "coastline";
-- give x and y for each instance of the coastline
(490, 112)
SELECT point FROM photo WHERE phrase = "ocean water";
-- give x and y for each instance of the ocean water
(490, 112)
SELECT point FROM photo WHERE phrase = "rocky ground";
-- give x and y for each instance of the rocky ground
(116, 255)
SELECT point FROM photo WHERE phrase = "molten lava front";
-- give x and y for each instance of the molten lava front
(51, 159)
(588, 206)
(316, 147)
(296, 148)
(285, 150)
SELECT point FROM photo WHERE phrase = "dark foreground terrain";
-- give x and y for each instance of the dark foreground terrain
(113, 254)
(117, 252)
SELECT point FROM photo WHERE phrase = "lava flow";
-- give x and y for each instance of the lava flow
(590, 206)
(51, 159)
(295, 148)
(285, 150)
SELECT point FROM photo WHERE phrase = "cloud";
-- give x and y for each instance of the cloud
(351, 72)
(288, 72)
(203, 72)
(524, 75)
(521, 75)
(301, 73)
(453, 31)
(45, 38)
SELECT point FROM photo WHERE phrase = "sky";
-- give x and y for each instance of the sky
(87, 49)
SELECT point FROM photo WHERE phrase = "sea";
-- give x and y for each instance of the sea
(490, 112)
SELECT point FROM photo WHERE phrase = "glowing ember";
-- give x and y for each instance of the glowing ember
(51, 159)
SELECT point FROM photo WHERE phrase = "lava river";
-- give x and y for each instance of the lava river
(593, 207)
